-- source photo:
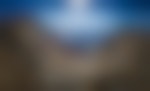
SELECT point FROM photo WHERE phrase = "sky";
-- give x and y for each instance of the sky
(80, 20)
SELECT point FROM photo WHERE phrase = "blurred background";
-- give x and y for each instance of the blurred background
(74, 45)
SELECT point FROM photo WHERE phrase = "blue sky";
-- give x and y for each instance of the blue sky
(102, 20)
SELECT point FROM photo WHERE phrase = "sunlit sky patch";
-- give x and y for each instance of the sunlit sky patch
(78, 20)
